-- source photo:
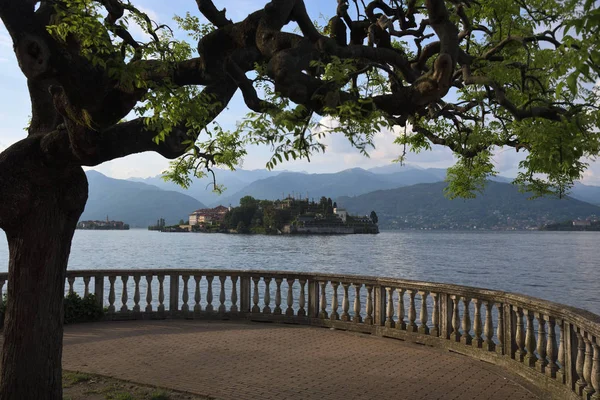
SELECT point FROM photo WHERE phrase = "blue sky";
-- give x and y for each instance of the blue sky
(15, 109)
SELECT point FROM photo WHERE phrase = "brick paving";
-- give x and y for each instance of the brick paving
(231, 360)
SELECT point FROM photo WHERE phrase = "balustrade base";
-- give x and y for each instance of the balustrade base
(530, 360)
(560, 376)
(541, 365)
(588, 392)
(466, 340)
(579, 387)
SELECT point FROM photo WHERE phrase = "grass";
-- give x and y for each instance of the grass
(73, 378)
(82, 386)
(160, 395)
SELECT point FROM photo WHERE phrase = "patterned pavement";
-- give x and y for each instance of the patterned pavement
(239, 360)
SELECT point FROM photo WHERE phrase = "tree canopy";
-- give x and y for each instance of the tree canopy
(470, 75)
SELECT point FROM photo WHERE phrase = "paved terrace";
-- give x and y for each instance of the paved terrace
(241, 360)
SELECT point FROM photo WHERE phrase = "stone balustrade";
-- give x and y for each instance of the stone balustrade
(554, 346)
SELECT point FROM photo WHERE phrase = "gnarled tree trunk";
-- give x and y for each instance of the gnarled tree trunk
(46, 202)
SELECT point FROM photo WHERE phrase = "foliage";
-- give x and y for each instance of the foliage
(374, 217)
(521, 75)
(78, 309)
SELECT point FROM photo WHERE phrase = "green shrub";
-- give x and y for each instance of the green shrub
(78, 309)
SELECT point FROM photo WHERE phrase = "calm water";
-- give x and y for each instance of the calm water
(562, 267)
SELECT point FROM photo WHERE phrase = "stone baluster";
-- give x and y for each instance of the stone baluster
(302, 299)
(520, 337)
(111, 294)
(581, 382)
(357, 318)
(124, 295)
(136, 293)
(541, 363)
(400, 324)
(71, 280)
(161, 294)
(412, 311)
(369, 307)
(334, 302)
(435, 315)
(345, 303)
(185, 308)
(595, 378)
(500, 329)
(86, 284)
(466, 337)
(389, 309)
(323, 301)
(197, 294)
(149, 294)
(588, 365)
(530, 358)
(488, 328)
(560, 374)
(222, 308)
(455, 335)
(289, 312)
(234, 295)
(551, 348)
(477, 325)
(209, 294)
(423, 328)
(277, 310)
(267, 298)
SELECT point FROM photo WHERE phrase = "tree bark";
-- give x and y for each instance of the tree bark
(47, 201)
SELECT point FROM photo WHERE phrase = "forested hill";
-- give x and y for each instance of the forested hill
(501, 206)
(135, 203)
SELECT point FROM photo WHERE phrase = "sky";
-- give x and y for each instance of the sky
(340, 155)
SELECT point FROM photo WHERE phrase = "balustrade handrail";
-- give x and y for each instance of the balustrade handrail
(584, 317)
(555, 346)
(524, 301)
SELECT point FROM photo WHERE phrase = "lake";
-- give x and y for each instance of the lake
(558, 266)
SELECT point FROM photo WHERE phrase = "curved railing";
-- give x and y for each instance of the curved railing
(554, 346)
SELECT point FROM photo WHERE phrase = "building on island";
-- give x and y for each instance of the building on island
(341, 213)
(208, 216)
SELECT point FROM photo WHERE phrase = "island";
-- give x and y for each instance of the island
(288, 216)
(107, 225)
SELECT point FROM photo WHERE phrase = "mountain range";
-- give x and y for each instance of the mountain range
(271, 185)
(140, 202)
(500, 206)
(137, 204)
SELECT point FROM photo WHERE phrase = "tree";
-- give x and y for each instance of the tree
(471, 76)
(248, 201)
(374, 217)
